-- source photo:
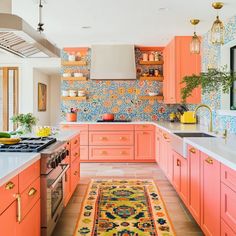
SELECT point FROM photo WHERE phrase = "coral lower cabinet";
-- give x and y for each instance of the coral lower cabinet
(116, 143)
(179, 62)
(72, 175)
(20, 203)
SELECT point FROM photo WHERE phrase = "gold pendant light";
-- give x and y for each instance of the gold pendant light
(195, 44)
(217, 29)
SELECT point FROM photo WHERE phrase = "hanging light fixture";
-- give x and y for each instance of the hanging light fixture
(40, 24)
(217, 29)
(195, 44)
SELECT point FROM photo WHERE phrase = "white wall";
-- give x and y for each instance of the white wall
(43, 116)
(55, 99)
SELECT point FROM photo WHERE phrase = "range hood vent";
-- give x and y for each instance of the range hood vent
(113, 62)
(21, 39)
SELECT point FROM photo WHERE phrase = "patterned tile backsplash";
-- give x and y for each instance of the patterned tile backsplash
(118, 97)
(211, 57)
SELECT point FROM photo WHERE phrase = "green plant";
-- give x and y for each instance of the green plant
(26, 121)
(212, 80)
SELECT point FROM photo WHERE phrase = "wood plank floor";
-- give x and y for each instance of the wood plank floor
(182, 220)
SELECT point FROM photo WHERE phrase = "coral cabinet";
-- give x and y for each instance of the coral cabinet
(179, 62)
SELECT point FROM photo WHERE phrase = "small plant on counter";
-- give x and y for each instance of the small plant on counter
(25, 122)
(212, 80)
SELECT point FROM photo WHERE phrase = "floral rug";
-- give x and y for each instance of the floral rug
(119, 207)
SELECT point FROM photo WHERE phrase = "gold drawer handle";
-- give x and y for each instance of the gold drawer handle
(76, 154)
(18, 199)
(123, 152)
(192, 150)
(32, 192)
(103, 138)
(209, 160)
(76, 172)
(9, 186)
(122, 138)
(165, 136)
(103, 152)
(178, 162)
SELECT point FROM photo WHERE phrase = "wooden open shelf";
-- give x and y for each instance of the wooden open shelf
(74, 78)
(151, 62)
(151, 97)
(73, 63)
(159, 78)
(73, 98)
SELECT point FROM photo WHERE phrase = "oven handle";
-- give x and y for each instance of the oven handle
(66, 166)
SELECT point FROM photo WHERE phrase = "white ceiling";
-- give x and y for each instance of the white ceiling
(138, 22)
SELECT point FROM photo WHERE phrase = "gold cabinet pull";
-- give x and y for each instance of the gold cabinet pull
(103, 138)
(76, 154)
(122, 138)
(76, 172)
(209, 160)
(123, 152)
(32, 192)
(18, 199)
(9, 186)
(192, 150)
(165, 136)
(144, 126)
(103, 152)
(178, 162)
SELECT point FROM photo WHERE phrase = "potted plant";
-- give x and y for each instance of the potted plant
(72, 115)
(212, 80)
(25, 122)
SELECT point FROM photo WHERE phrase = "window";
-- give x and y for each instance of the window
(8, 96)
(233, 69)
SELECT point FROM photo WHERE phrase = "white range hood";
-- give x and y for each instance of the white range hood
(113, 62)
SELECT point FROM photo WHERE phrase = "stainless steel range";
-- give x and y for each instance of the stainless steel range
(54, 164)
(53, 168)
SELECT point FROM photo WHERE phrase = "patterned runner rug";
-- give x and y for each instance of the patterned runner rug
(119, 207)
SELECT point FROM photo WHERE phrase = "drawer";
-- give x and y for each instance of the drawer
(111, 138)
(75, 127)
(84, 138)
(228, 176)
(75, 142)
(226, 230)
(28, 176)
(75, 154)
(111, 127)
(84, 153)
(228, 206)
(144, 127)
(8, 192)
(29, 197)
(112, 153)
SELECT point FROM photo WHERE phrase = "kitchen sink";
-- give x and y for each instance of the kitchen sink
(193, 135)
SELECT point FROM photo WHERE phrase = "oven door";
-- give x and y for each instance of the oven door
(52, 201)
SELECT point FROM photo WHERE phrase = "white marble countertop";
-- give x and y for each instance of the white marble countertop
(65, 135)
(12, 163)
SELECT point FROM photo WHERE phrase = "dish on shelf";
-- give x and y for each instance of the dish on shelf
(77, 74)
(152, 94)
(65, 75)
(65, 93)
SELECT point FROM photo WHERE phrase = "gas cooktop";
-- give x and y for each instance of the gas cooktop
(113, 121)
(28, 144)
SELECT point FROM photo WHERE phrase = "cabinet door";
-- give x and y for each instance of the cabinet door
(30, 225)
(183, 192)
(8, 223)
(226, 230)
(194, 182)
(75, 173)
(176, 171)
(169, 157)
(158, 146)
(67, 186)
(210, 200)
(144, 145)
(164, 141)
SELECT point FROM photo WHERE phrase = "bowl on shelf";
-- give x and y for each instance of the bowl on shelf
(81, 93)
(152, 94)
(66, 75)
(77, 74)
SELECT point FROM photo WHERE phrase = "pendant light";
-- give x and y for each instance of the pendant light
(217, 29)
(40, 24)
(195, 44)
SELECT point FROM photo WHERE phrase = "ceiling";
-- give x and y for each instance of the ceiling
(140, 22)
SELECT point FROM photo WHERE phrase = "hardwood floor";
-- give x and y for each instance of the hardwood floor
(182, 220)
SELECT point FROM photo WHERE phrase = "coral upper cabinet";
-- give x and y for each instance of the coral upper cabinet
(179, 62)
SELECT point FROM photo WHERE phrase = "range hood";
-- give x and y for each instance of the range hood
(113, 62)
(21, 39)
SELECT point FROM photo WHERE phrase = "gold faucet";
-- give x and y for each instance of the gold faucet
(210, 111)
